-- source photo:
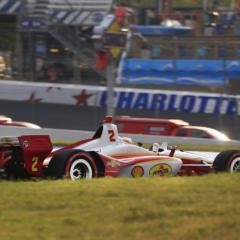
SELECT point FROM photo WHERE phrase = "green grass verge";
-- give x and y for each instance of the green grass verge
(206, 207)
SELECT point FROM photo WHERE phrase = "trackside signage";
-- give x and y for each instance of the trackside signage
(153, 100)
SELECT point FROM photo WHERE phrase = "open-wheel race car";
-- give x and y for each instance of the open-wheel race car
(105, 154)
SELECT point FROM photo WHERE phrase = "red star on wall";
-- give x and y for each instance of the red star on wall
(82, 98)
(32, 98)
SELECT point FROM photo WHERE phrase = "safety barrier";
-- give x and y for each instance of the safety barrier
(125, 98)
(64, 136)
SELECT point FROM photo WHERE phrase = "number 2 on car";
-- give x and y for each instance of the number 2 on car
(34, 164)
(111, 134)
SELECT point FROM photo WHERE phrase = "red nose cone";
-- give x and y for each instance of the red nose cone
(107, 119)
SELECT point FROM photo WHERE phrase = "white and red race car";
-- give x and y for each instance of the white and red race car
(105, 154)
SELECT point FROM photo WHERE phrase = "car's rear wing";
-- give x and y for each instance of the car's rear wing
(31, 151)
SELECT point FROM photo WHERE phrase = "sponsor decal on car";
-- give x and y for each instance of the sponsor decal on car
(124, 98)
(161, 169)
(25, 144)
(113, 163)
(137, 171)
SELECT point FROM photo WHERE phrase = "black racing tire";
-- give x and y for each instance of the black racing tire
(227, 161)
(65, 162)
(57, 165)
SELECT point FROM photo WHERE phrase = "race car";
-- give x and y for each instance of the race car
(106, 154)
(7, 121)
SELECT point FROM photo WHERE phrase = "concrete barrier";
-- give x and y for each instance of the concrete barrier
(56, 135)
(68, 136)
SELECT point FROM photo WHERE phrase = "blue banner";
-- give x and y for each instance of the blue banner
(179, 72)
(124, 98)
(174, 102)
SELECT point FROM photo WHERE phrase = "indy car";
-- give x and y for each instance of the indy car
(106, 154)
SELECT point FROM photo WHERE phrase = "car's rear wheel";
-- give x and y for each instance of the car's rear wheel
(227, 161)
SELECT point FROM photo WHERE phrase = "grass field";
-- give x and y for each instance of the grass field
(206, 207)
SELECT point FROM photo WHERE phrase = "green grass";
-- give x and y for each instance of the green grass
(206, 207)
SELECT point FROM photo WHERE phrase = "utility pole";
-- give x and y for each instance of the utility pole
(19, 43)
(110, 76)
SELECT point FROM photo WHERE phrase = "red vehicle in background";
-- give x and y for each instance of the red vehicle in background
(166, 127)
(7, 121)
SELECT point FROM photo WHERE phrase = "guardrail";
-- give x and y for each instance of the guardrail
(64, 136)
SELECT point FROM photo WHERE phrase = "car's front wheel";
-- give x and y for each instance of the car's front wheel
(72, 164)
(79, 169)
(227, 161)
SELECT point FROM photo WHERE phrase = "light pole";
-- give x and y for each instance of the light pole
(110, 77)
(19, 43)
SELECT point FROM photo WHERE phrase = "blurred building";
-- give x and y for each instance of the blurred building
(176, 45)
(59, 40)
(67, 41)
(185, 47)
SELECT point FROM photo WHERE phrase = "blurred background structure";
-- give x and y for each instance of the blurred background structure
(187, 45)
(60, 41)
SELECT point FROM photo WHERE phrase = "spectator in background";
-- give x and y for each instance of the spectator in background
(2, 67)
(145, 51)
(215, 4)
(221, 51)
(155, 51)
(120, 14)
(52, 74)
(181, 51)
(201, 51)
(102, 60)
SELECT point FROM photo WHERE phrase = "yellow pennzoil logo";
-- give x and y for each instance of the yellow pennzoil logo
(137, 171)
(161, 169)
(113, 164)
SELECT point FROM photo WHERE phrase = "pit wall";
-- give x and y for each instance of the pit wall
(83, 107)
